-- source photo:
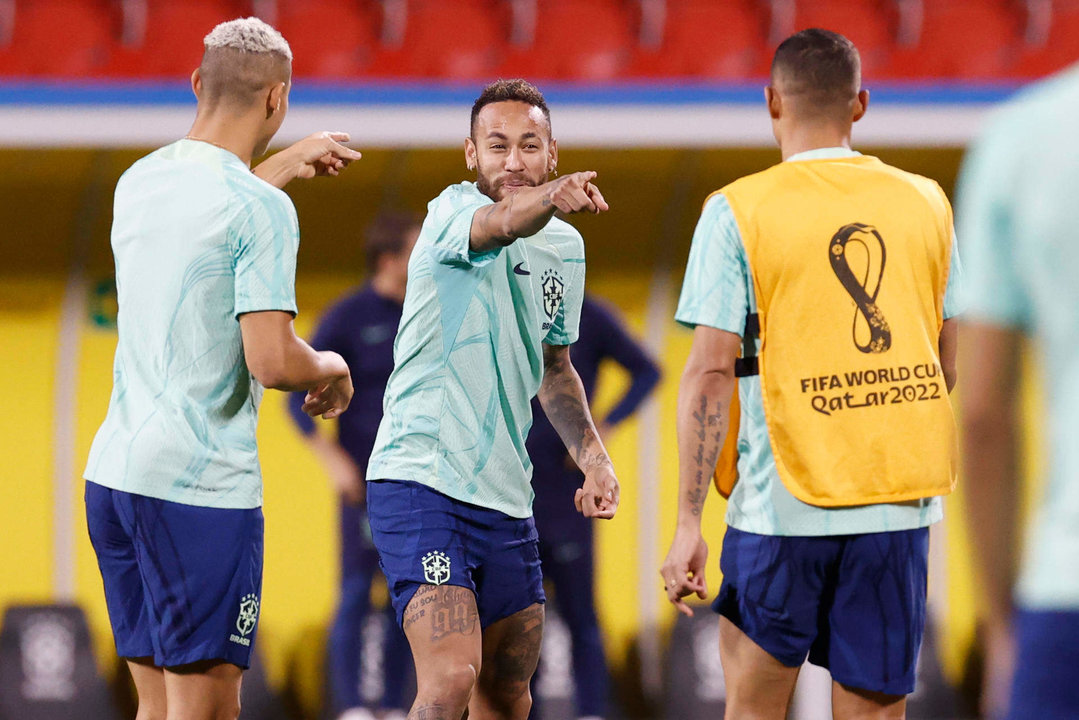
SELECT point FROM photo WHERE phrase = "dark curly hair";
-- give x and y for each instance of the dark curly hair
(504, 90)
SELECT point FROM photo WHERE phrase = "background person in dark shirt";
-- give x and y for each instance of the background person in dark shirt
(565, 536)
(361, 327)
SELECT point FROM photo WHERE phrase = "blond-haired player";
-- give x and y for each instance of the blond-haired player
(205, 256)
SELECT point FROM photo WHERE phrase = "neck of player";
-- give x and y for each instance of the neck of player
(804, 137)
(236, 133)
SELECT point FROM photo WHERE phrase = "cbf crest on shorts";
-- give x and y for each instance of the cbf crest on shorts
(246, 620)
(436, 567)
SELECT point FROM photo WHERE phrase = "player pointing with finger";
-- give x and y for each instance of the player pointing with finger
(495, 286)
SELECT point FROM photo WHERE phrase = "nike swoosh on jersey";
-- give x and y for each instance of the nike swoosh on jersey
(520, 270)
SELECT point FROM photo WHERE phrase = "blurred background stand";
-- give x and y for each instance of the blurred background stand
(47, 667)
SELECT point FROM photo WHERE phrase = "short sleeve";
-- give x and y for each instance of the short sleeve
(993, 289)
(954, 300)
(447, 228)
(567, 321)
(715, 291)
(265, 238)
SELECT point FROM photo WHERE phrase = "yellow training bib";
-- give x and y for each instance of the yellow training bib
(849, 259)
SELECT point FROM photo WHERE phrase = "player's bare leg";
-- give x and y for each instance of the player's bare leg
(511, 650)
(443, 628)
(759, 687)
(208, 690)
(850, 703)
(150, 686)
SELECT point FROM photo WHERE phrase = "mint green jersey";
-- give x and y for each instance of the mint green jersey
(198, 240)
(1018, 220)
(468, 358)
(718, 292)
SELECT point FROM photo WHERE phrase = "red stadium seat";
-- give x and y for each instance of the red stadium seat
(869, 24)
(172, 43)
(464, 39)
(330, 38)
(59, 38)
(713, 39)
(1058, 48)
(963, 39)
(576, 40)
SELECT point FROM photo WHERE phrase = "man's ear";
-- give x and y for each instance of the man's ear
(274, 98)
(552, 156)
(196, 83)
(471, 161)
(774, 101)
(861, 104)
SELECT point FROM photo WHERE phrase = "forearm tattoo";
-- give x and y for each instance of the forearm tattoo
(707, 431)
(566, 405)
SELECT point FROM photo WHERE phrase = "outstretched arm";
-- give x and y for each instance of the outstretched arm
(704, 401)
(318, 154)
(562, 397)
(527, 211)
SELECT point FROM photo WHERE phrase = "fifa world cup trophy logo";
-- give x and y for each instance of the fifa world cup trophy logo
(869, 322)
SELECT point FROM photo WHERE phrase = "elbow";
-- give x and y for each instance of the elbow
(269, 373)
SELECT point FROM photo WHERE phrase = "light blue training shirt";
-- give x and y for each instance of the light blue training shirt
(198, 240)
(1019, 224)
(718, 292)
(468, 358)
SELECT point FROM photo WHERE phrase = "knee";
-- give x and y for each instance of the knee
(451, 683)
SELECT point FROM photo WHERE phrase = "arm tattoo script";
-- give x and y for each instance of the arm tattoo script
(707, 424)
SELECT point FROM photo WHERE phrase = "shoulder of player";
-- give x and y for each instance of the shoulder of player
(560, 232)
(926, 187)
(458, 195)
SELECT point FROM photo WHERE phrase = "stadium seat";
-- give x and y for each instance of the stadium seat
(330, 38)
(963, 39)
(869, 24)
(59, 38)
(575, 40)
(708, 39)
(47, 666)
(1057, 48)
(171, 44)
(462, 40)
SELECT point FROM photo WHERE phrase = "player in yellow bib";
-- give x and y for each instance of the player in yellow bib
(831, 274)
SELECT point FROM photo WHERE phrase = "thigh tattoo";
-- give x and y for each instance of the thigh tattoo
(451, 609)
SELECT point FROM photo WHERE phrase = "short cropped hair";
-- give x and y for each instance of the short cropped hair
(819, 64)
(242, 57)
(386, 235)
(509, 90)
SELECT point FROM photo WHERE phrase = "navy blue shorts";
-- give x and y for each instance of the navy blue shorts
(427, 538)
(182, 583)
(855, 604)
(1046, 684)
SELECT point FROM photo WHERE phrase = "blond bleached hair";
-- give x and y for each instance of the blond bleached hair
(242, 58)
(248, 35)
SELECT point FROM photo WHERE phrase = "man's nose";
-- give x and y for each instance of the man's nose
(515, 160)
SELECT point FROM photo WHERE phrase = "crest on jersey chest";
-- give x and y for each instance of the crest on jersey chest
(553, 290)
